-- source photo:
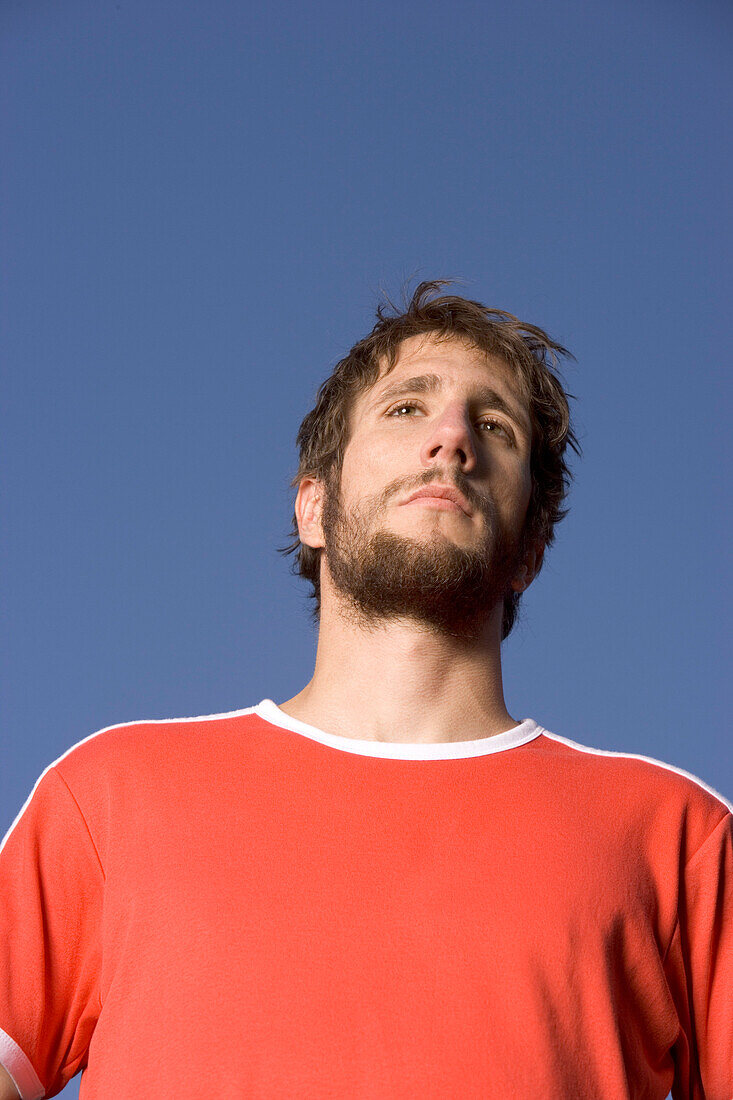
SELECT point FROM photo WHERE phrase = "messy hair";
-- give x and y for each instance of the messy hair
(530, 353)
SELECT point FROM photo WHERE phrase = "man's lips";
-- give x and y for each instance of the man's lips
(437, 502)
(441, 493)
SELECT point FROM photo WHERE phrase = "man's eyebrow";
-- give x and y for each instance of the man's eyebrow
(433, 383)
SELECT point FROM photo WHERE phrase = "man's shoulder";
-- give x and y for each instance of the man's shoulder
(640, 782)
(140, 742)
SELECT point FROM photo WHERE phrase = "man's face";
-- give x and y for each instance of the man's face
(422, 561)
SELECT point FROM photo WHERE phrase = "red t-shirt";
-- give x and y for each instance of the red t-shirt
(241, 905)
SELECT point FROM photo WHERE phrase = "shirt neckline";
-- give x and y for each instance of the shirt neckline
(526, 731)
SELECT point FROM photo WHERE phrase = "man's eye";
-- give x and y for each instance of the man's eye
(412, 405)
(496, 423)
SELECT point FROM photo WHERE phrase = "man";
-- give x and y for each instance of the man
(386, 886)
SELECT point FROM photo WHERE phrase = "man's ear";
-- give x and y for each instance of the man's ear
(308, 511)
(530, 567)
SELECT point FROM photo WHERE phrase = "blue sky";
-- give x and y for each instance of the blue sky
(201, 204)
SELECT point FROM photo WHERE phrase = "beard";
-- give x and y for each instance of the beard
(446, 588)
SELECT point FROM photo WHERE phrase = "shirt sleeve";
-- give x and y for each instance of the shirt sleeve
(701, 970)
(51, 890)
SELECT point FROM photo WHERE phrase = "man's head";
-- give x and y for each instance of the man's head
(492, 421)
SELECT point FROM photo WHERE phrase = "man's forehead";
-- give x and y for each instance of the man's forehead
(446, 353)
(432, 345)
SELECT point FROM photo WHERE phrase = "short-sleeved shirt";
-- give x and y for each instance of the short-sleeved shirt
(242, 905)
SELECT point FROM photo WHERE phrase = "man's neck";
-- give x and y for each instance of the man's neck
(396, 683)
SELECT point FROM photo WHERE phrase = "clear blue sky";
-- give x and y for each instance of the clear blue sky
(201, 202)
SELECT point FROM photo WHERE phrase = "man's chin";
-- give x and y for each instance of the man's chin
(444, 596)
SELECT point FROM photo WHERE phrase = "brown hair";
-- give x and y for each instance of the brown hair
(324, 431)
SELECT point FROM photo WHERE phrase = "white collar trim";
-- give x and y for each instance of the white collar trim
(526, 731)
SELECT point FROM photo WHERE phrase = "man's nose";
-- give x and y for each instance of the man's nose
(450, 437)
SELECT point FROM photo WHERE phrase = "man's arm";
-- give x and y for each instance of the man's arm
(52, 889)
(8, 1090)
